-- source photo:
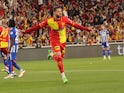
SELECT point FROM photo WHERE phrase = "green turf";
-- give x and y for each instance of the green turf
(86, 75)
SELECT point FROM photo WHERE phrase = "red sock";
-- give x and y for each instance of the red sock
(12, 68)
(58, 59)
(60, 66)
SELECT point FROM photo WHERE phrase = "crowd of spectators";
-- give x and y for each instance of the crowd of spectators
(89, 13)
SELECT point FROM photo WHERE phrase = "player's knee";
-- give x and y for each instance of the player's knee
(103, 49)
(58, 58)
(108, 48)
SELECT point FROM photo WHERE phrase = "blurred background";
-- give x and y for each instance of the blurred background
(89, 13)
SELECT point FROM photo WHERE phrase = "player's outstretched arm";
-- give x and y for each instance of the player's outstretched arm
(70, 22)
(35, 28)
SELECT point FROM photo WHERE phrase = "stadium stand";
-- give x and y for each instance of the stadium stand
(85, 12)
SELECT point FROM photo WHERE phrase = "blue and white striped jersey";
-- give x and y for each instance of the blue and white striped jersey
(104, 35)
(14, 34)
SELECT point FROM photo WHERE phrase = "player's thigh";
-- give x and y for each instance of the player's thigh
(4, 51)
(63, 49)
(13, 53)
(13, 56)
(107, 47)
(104, 45)
(56, 48)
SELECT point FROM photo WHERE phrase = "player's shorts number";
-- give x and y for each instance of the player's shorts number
(57, 47)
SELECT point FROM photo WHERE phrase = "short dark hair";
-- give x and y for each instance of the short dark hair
(11, 23)
(56, 7)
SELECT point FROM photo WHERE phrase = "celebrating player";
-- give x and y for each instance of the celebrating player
(104, 34)
(57, 25)
(13, 49)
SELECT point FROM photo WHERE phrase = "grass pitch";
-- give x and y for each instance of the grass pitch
(85, 75)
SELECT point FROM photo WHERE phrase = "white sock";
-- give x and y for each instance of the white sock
(104, 57)
(109, 57)
(63, 74)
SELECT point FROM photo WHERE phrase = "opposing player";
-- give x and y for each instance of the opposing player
(13, 49)
(104, 34)
(57, 33)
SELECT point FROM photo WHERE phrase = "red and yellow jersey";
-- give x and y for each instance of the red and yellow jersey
(4, 37)
(57, 28)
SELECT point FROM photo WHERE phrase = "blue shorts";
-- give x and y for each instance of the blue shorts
(105, 45)
(13, 52)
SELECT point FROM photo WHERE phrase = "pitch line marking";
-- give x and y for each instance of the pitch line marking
(55, 71)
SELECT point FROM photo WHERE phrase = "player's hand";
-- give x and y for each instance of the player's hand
(22, 31)
(91, 29)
